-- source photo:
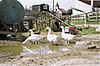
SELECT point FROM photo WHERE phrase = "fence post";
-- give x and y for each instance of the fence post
(78, 18)
(97, 17)
(86, 18)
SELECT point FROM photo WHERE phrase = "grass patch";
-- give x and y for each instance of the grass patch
(90, 30)
(82, 22)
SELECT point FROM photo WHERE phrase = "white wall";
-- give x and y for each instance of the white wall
(82, 6)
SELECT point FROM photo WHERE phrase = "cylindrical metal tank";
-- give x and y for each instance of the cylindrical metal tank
(11, 11)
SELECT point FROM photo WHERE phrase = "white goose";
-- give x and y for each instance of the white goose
(34, 37)
(66, 37)
(51, 37)
(31, 32)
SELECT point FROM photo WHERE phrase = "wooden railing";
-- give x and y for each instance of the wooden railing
(91, 16)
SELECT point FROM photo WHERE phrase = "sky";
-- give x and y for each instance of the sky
(66, 4)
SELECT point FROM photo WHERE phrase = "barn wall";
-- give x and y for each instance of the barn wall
(82, 6)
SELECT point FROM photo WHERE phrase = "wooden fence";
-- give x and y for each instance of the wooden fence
(91, 16)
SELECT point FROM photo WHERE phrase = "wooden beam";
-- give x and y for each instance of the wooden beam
(12, 33)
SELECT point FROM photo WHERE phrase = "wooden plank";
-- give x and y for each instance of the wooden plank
(12, 33)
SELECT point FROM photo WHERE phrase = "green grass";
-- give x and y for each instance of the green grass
(82, 22)
(90, 30)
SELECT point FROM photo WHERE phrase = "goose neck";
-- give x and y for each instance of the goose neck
(32, 32)
(63, 30)
(49, 31)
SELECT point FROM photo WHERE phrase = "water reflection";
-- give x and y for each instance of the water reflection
(15, 49)
(81, 44)
(43, 49)
(63, 48)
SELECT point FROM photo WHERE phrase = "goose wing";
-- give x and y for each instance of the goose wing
(28, 39)
(39, 37)
(52, 37)
(68, 36)
(31, 38)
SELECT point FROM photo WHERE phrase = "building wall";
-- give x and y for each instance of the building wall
(82, 6)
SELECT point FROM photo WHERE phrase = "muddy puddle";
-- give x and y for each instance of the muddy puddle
(43, 49)
(13, 48)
